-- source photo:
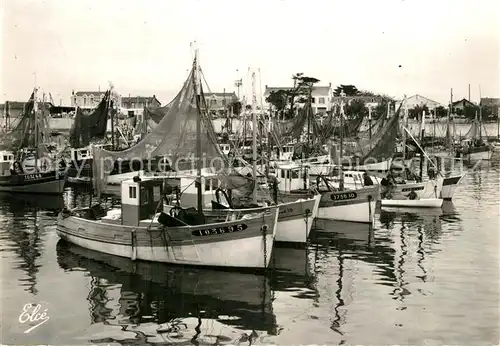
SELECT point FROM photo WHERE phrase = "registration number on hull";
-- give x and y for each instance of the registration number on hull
(32, 176)
(343, 196)
(219, 230)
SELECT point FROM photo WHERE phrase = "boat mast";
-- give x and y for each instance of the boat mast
(370, 125)
(480, 115)
(197, 84)
(422, 136)
(450, 118)
(254, 138)
(341, 182)
(405, 119)
(35, 111)
(112, 118)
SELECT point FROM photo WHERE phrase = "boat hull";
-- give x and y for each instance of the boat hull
(450, 184)
(38, 183)
(413, 203)
(295, 218)
(248, 244)
(480, 155)
(349, 205)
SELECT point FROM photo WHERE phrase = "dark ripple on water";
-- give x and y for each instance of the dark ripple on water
(421, 276)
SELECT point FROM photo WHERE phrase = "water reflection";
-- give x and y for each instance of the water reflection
(22, 223)
(340, 245)
(165, 295)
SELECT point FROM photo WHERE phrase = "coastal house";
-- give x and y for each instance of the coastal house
(134, 105)
(463, 104)
(15, 108)
(371, 101)
(90, 99)
(321, 97)
(218, 102)
(420, 101)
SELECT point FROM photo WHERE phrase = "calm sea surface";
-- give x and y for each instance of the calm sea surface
(421, 277)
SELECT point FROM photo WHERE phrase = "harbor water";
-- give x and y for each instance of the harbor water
(420, 277)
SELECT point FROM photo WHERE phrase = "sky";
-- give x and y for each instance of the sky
(144, 47)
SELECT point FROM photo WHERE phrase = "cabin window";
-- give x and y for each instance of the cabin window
(215, 184)
(5, 158)
(283, 174)
(207, 185)
(295, 174)
(132, 192)
(321, 100)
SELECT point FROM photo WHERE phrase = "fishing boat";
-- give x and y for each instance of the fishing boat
(474, 147)
(19, 176)
(295, 219)
(136, 231)
(184, 235)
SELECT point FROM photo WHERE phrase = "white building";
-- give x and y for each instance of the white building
(321, 97)
(90, 99)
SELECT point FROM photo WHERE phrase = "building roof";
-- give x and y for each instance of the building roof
(231, 94)
(417, 99)
(140, 99)
(490, 101)
(95, 93)
(18, 105)
(465, 102)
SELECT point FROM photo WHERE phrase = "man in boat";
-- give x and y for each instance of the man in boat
(16, 168)
(387, 184)
(367, 181)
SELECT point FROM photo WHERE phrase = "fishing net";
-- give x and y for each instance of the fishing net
(91, 126)
(477, 130)
(174, 140)
(156, 113)
(383, 143)
(30, 124)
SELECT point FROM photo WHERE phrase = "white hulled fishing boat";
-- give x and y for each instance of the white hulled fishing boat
(136, 231)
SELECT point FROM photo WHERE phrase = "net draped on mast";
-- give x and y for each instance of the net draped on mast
(91, 126)
(23, 134)
(174, 139)
(383, 143)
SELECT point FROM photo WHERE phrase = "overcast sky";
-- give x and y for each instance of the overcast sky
(143, 47)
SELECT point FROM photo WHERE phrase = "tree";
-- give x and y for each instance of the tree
(349, 90)
(278, 99)
(301, 91)
(417, 111)
(381, 109)
(441, 112)
(356, 109)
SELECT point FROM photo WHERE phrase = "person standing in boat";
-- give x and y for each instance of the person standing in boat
(367, 181)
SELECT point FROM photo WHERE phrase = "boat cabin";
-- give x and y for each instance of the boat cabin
(6, 161)
(292, 177)
(80, 154)
(139, 201)
(286, 153)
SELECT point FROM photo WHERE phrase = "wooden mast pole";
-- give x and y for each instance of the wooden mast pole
(254, 138)
(342, 96)
(197, 84)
